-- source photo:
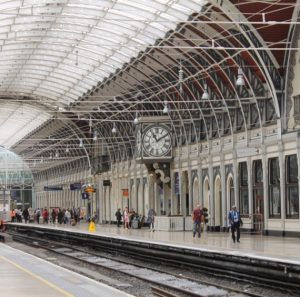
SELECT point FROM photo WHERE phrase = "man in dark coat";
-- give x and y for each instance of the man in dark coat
(118, 217)
(26, 215)
(235, 222)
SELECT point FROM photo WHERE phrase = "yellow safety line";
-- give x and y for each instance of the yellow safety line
(38, 277)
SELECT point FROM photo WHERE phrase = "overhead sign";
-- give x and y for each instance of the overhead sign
(106, 183)
(84, 195)
(125, 192)
(53, 188)
(75, 186)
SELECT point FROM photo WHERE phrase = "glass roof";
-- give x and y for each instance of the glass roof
(59, 49)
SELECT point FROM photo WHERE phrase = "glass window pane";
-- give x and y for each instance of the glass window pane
(274, 202)
(274, 171)
(292, 203)
(244, 202)
(292, 169)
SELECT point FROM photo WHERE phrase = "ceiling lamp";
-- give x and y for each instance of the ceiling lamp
(180, 76)
(136, 120)
(56, 154)
(240, 79)
(95, 137)
(80, 142)
(90, 124)
(67, 148)
(166, 109)
(205, 95)
(114, 129)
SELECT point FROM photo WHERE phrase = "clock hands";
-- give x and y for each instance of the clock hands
(154, 136)
(160, 138)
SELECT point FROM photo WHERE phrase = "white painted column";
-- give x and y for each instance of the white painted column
(250, 186)
(265, 167)
(282, 183)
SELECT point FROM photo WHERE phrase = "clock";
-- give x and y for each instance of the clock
(157, 140)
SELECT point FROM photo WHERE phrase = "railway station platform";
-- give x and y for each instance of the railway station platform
(23, 275)
(284, 249)
(275, 260)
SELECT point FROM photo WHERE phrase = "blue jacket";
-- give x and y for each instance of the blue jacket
(234, 217)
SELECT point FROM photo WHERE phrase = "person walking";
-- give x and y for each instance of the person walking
(151, 218)
(196, 217)
(118, 217)
(235, 222)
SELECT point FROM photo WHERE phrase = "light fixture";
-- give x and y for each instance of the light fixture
(90, 122)
(166, 109)
(205, 95)
(114, 129)
(80, 142)
(67, 148)
(180, 76)
(56, 154)
(240, 79)
(136, 120)
(95, 137)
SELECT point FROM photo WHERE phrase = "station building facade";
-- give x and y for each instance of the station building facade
(257, 170)
(241, 149)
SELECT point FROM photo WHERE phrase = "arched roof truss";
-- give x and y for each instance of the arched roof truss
(100, 65)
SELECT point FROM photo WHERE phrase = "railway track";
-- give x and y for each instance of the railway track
(262, 273)
(175, 285)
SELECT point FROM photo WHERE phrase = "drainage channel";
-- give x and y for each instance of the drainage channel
(164, 279)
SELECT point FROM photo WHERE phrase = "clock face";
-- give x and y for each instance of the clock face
(157, 140)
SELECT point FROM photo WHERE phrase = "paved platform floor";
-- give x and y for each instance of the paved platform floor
(285, 249)
(23, 275)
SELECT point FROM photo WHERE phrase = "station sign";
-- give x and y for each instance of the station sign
(106, 183)
(53, 188)
(125, 192)
(75, 186)
(85, 195)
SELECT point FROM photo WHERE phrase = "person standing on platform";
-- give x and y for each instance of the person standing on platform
(53, 215)
(235, 222)
(45, 216)
(26, 215)
(126, 218)
(12, 215)
(37, 215)
(196, 217)
(118, 217)
(151, 218)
